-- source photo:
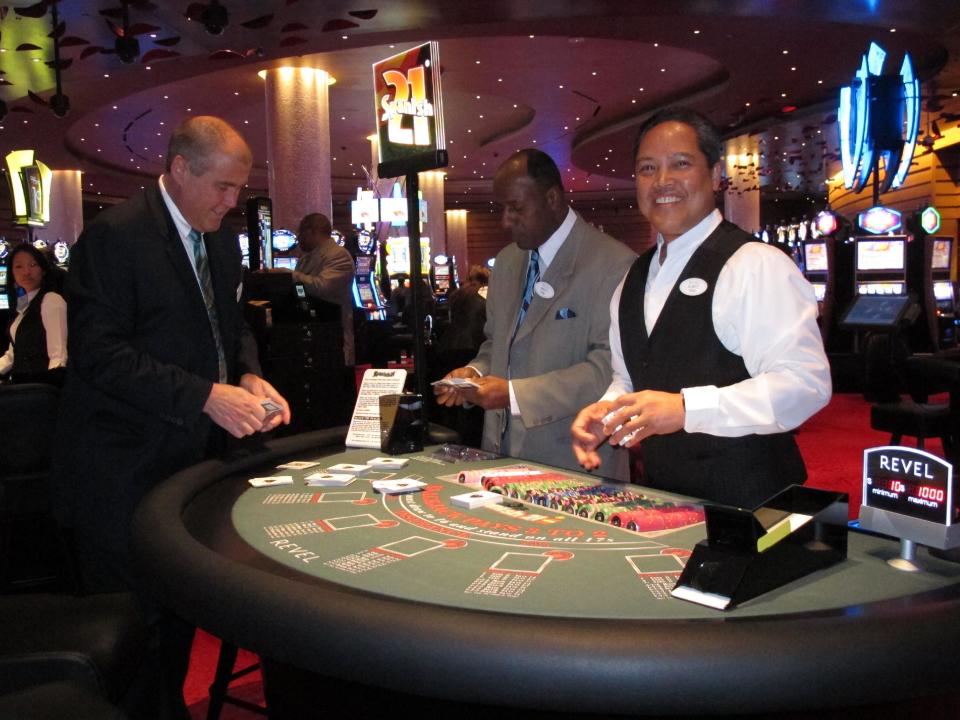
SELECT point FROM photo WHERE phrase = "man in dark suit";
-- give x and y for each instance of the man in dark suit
(714, 340)
(546, 351)
(159, 352)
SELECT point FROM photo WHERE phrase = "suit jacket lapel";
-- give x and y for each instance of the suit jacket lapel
(173, 246)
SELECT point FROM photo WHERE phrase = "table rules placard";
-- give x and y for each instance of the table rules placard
(365, 424)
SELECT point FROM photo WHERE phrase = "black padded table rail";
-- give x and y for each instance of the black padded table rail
(859, 633)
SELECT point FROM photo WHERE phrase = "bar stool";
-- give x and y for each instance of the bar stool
(916, 418)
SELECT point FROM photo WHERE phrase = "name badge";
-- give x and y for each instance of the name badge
(693, 286)
(543, 289)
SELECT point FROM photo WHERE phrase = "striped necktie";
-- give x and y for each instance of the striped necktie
(533, 275)
(206, 286)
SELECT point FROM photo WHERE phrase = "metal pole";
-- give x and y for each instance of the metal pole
(416, 278)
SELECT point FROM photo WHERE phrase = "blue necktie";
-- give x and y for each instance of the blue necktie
(206, 286)
(533, 275)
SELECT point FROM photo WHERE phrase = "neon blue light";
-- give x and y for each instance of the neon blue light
(862, 124)
(843, 124)
(911, 96)
(875, 57)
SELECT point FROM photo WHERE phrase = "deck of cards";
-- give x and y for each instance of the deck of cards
(399, 486)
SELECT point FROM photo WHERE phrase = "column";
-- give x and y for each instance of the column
(457, 240)
(741, 199)
(431, 186)
(66, 208)
(298, 143)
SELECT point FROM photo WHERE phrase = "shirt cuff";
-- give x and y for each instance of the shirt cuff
(514, 405)
(700, 403)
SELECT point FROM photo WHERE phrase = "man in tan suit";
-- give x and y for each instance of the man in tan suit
(546, 351)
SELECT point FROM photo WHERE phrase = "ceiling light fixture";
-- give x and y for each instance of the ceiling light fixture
(214, 17)
(126, 46)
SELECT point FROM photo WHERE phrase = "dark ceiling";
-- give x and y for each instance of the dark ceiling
(573, 78)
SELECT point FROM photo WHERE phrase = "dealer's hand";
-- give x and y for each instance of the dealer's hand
(645, 413)
(587, 433)
(450, 396)
(256, 385)
(493, 393)
(234, 409)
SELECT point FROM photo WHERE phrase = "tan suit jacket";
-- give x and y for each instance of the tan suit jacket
(560, 359)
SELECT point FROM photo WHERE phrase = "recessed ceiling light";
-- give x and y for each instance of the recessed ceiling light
(696, 32)
(343, 37)
(477, 62)
(786, 52)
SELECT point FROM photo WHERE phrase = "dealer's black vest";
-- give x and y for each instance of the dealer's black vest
(683, 351)
(30, 346)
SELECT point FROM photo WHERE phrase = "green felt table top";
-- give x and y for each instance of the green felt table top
(524, 559)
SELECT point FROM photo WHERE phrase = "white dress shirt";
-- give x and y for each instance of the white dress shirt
(183, 229)
(765, 311)
(53, 313)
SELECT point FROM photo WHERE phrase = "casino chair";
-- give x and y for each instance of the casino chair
(28, 414)
(915, 416)
(63, 656)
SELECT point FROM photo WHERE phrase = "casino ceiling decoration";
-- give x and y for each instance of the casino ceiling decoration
(574, 79)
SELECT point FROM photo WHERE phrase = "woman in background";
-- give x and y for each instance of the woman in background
(38, 333)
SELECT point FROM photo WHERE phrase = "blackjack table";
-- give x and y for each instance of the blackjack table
(523, 608)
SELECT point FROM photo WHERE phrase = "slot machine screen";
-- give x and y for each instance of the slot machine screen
(820, 290)
(815, 257)
(881, 254)
(364, 212)
(366, 294)
(4, 302)
(285, 263)
(941, 254)
(441, 274)
(3, 277)
(244, 240)
(393, 210)
(943, 291)
(283, 240)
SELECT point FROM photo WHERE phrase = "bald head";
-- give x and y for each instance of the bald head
(314, 229)
(529, 188)
(198, 139)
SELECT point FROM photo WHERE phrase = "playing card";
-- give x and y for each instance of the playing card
(269, 481)
(321, 479)
(298, 465)
(476, 499)
(349, 468)
(399, 486)
(388, 462)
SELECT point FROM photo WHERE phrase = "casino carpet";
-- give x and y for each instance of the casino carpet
(832, 443)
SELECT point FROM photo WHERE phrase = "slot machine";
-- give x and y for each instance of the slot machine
(366, 294)
(881, 265)
(939, 290)
(283, 243)
(259, 233)
(441, 278)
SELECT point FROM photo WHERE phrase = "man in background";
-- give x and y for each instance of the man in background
(326, 272)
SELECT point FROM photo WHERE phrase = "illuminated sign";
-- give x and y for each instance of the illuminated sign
(409, 108)
(29, 181)
(879, 220)
(930, 220)
(878, 119)
(826, 222)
